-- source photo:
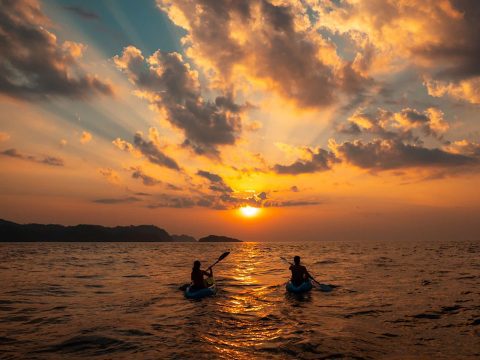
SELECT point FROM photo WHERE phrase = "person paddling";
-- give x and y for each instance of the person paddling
(197, 276)
(299, 272)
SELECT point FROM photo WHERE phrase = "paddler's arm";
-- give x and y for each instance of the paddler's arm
(208, 273)
(307, 274)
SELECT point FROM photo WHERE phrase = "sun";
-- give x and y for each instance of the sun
(249, 211)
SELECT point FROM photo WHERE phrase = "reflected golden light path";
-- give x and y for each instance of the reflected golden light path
(239, 324)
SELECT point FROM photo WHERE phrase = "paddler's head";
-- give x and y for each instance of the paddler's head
(196, 265)
(296, 260)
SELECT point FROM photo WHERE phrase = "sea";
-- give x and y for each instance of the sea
(390, 300)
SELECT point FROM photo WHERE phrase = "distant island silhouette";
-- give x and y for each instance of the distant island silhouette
(13, 232)
(217, 238)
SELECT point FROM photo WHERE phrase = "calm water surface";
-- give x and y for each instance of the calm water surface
(117, 300)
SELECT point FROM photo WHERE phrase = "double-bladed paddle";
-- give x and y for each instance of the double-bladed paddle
(323, 287)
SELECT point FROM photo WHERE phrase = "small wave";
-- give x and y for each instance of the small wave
(432, 316)
(475, 322)
(134, 332)
(6, 340)
(450, 309)
(135, 276)
(363, 313)
(95, 286)
(88, 276)
(92, 344)
(326, 262)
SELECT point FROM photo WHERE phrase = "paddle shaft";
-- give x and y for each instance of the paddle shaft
(223, 256)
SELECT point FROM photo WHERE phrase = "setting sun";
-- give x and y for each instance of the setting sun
(249, 211)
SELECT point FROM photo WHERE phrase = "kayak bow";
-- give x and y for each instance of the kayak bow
(201, 293)
(302, 288)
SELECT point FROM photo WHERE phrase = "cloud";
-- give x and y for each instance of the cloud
(466, 90)
(396, 125)
(151, 151)
(290, 203)
(169, 201)
(33, 64)
(173, 87)
(4, 136)
(44, 159)
(430, 121)
(85, 138)
(148, 148)
(63, 142)
(273, 43)
(110, 174)
(464, 147)
(393, 154)
(137, 173)
(82, 12)
(319, 160)
(113, 201)
(217, 183)
(440, 37)
(125, 146)
(210, 176)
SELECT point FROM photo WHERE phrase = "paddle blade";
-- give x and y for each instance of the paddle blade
(184, 287)
(324, 287)
(223, 256)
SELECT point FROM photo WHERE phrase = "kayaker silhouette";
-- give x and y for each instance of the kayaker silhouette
(299, 272)
(198, 281)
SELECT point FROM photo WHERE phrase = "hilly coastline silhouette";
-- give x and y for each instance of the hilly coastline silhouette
(13, 232)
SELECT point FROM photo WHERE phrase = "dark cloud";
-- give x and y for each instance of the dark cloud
(393, 154)
(320, 160)
(173, 87)
(151, 151)
(137, 173)
(295, 60)
(168, 201)
(33, 64)
(217, 183)
(210, 176)
(47, 160)
(289, 203)
(459, 49)
(113, 201)
(82, 12)
(173, 187)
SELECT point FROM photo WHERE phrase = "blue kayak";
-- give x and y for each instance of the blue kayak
(201, 293)
(302, 288)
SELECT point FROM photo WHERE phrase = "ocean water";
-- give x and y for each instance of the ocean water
(121, 301)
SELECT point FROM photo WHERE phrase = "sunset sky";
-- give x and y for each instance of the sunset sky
(353, 119)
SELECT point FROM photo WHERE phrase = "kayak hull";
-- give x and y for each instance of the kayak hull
(303, 288)
(199, 294)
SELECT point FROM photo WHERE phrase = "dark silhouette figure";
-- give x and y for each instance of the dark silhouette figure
(299, 272)
(197, 276)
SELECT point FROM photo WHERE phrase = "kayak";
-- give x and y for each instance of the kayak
(201, 293)
(302, 288)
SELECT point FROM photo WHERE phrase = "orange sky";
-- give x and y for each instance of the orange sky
(339, 120)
